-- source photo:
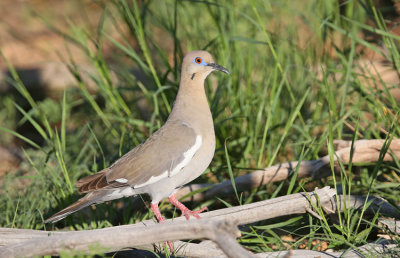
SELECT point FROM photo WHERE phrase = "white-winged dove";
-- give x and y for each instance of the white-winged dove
(173, 156)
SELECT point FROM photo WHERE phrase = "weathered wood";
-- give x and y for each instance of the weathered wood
(369, 250)
(215, 225)
(364, 151)
(222, 232)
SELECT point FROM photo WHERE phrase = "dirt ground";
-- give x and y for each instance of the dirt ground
(25, 38)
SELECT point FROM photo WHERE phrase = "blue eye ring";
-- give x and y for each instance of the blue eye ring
(198, 60)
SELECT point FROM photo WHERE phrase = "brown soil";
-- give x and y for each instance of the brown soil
(26, 40)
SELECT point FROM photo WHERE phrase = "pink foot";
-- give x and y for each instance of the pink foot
(160, 219)
(185, 211)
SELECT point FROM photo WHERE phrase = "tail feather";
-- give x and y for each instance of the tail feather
(84, 184)
(89, 199)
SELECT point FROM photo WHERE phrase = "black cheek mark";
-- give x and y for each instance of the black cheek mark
(193, 76)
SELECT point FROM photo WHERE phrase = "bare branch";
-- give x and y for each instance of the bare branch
(392, 225)
(215, 225)
(365, 151)
(369, 250)
(223, 232)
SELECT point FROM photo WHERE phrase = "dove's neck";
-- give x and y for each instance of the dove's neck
(191, 105)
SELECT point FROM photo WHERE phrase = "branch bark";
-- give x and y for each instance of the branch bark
(216, 225)
(221, 232)
(369, 250)
(364, 151)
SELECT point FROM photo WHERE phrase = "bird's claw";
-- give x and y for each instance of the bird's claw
(187, 213)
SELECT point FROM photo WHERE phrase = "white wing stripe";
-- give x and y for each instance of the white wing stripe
(121, 180)
(188, 155)
(153, 179)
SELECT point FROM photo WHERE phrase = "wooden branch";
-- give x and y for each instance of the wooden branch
(369, 250)
(392, 225)
(222, 232)
(215, 225)
(374, 205)
(365, 151)
(206, 248)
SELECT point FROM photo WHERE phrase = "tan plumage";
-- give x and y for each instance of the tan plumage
(173, 156)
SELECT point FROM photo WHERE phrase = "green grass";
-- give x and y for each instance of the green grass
(294, 88)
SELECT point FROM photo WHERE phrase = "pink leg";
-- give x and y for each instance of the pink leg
(154, 207)
(185, 211)
(160, 218)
